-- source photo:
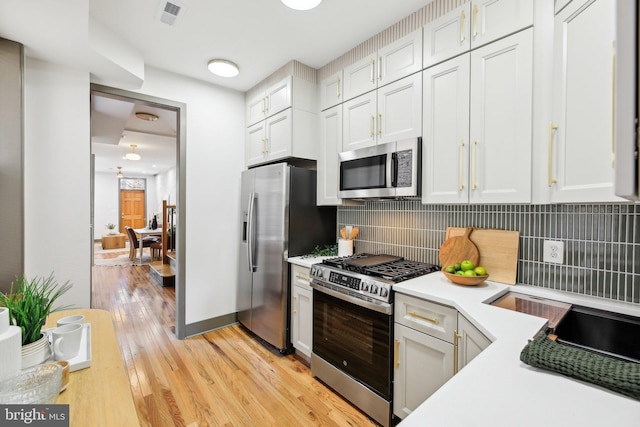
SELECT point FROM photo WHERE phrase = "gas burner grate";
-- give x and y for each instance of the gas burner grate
(401, 270)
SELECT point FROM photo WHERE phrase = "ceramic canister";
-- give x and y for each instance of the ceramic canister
(10, 346)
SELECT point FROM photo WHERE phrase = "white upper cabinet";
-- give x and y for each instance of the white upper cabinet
(331, 91)
(359, 122)
(447, 36)
(276, 98)
(330, 147)
(500, 120)
(290, 133)
(391, 113)
(392, 62)
(494, 19)
(581, 145)
(445, 136)
(400, 58)
(400, 109)
(477, 147)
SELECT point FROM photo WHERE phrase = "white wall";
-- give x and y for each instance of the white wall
(56, 176)
(215, 160)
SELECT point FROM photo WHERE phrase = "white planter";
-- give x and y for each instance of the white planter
(36, 352)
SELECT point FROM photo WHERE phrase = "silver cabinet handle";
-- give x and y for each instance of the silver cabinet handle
(460, 156)
(462, 18)
(474, 184)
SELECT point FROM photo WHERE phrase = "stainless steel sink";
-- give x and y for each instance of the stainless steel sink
(601, 331)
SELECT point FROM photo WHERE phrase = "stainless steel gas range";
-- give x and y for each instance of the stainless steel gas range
(353, 327)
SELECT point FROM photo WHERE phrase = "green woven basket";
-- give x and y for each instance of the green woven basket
(613, 374)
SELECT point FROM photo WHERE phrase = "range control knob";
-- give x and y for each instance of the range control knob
(365, 286)
(373, 289)
(384, 292)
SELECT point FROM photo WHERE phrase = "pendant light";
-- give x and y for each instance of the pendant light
(132, 155)
(301, 4)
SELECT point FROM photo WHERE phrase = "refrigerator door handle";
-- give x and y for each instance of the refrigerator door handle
(250, 231)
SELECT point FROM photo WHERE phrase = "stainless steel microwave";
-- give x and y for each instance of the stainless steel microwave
(386, 170)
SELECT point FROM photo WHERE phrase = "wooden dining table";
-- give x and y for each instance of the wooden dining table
(144, 232)
(99, 395)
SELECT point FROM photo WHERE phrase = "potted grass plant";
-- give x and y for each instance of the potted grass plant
(29, 303)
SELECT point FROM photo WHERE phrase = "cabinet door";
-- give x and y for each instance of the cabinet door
(359, 122)
(331, 91)
(445, 135)
(278, 135)
(400, 109)
(399, 59)
(278, 97)
(422, 364)
(582, 156)
(305, 332)
(471, 342)
(501, 115)
(256, 109)
(447, 36)
(330, 147)
(360, 77)
(494, 19)
(255, 144)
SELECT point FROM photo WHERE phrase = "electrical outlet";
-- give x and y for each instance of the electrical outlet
(553, 251)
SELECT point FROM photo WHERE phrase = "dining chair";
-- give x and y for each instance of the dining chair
(134, 242)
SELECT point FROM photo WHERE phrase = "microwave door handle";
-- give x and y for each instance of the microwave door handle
(394, 169)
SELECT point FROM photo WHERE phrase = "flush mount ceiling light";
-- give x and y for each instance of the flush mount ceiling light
(132, 155)
(223, 68)
(119, 174)
(146, 116)
(301, 4)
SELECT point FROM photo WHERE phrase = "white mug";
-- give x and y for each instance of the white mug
(78, 318)
(66, 341)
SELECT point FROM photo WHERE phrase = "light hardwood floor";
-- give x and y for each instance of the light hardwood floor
(222, 378)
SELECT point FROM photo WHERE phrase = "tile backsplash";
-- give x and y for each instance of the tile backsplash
(601, 242)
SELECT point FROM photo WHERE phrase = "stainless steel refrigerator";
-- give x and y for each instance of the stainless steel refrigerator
(280, 219)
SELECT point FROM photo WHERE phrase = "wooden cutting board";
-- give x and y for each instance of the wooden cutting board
(498, 251)
(457, 248)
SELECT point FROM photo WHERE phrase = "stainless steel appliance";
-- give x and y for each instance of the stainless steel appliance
(279, 219)
(353, 327)
(386, 170)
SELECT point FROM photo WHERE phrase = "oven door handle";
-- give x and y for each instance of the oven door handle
(380, 307)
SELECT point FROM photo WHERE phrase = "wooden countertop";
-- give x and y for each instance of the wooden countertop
(99, 395)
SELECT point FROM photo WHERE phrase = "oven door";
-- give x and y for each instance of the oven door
(354, 339)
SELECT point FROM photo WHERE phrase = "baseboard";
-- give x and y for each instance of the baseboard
(208, 325)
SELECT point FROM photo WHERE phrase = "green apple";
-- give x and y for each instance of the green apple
(480, 271)
(466, 265)
(470, 273)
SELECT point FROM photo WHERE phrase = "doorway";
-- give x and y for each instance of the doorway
(122, 124)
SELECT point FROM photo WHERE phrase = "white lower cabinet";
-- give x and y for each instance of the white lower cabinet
(422, 364)
(301, 310)
(471, 342)
(432, 342)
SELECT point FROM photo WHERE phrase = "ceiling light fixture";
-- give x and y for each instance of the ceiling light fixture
(149, 117)
(132, 155)
(301, 4)
(120, 174)
(223, 68)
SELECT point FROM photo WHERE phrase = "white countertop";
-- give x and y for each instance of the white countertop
(307, 261)
(496, 388)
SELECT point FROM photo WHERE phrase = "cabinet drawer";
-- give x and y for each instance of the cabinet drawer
(300, 276)
(431, 318)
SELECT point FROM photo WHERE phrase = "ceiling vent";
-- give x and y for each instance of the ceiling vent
(169, 11)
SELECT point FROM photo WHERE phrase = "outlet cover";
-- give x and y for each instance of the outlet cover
(553, 251)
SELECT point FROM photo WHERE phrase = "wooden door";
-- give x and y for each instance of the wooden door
(132, 209)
